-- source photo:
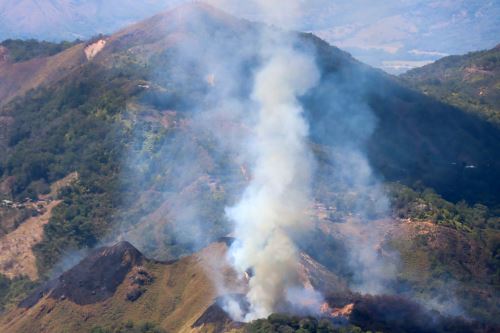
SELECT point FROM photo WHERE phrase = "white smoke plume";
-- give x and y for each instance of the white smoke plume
(251, 108)
(274, 205)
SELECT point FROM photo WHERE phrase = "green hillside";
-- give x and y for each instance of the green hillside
(470, 82)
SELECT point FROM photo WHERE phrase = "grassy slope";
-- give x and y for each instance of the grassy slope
(180, 293)
(18, 78)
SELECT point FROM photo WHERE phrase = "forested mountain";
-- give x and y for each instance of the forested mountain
(105, 140)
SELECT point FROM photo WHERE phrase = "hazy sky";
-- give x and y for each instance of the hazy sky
(391, 34)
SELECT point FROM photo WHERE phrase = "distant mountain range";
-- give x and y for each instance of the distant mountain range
(399, 35)
(71, 19)
(393, 35)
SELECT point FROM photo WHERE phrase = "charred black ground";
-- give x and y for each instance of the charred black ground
(94, 279)
(392, 313)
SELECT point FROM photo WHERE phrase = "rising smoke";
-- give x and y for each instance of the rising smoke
(275, 203)
(249, 112)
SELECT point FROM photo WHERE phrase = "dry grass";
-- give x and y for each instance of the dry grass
(179, 295)
(19, 78)
(16, 255)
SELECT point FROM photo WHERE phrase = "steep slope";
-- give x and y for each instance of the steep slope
(396, 35)
(436, 144)
(20, 77)
(416, 138)
(470, 81)
(117, 284)
(116, 289)
(126, 122)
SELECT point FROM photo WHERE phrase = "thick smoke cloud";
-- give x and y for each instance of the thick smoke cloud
(276, 200)
(238, 160)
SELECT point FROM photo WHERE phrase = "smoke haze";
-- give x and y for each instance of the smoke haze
(276, 200)
(239, 160)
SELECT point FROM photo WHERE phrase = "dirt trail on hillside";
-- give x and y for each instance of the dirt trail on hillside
(16, 254)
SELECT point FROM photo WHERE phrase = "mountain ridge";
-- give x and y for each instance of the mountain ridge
(55, 308)
(134, 98)
(180, 296)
